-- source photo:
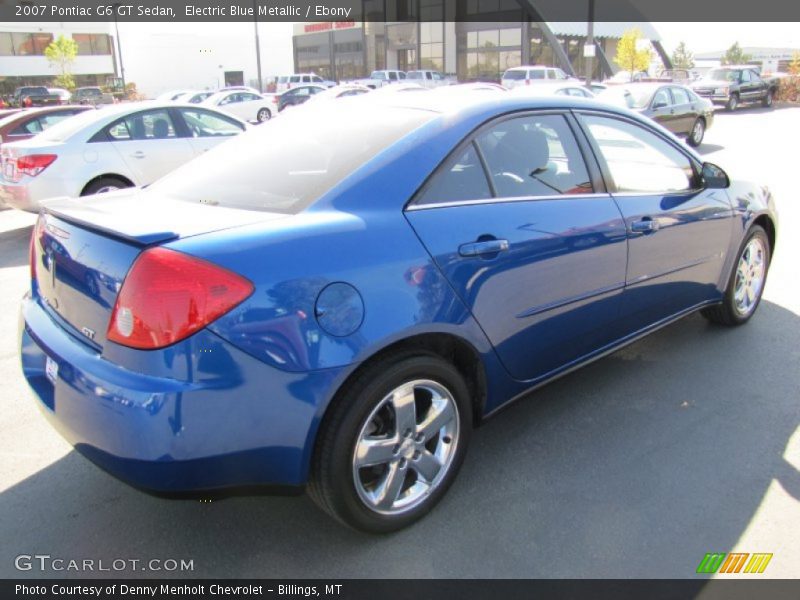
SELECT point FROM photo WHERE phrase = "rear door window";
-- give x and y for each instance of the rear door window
(147, 125)
(461, 179)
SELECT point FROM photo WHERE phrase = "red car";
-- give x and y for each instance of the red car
(24, 124)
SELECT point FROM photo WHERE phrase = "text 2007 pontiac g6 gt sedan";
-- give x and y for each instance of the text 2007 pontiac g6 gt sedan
(336, 298)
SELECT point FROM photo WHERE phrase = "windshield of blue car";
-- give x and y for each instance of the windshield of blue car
(286, 164)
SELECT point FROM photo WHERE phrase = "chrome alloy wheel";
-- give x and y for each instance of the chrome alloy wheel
(750, 274)
(406, 447)
(107, 188)
(698, 131)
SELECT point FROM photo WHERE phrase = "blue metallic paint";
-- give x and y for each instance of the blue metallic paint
(240, 402)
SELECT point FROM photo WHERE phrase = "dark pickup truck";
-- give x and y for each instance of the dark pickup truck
(35, 95)
(733, 85)
(91, 96)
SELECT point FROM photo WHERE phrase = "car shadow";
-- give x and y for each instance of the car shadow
(704, 149)
(634, 467)
(14, 247)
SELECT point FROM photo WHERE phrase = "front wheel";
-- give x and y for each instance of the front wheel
(392, 444)
(767, 100)
(746, 283)
(697, 133)
(733, 102)
(263, 115)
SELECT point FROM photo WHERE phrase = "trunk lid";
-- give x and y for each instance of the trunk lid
(84, 248)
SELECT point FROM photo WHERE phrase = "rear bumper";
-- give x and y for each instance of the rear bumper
(236, 422)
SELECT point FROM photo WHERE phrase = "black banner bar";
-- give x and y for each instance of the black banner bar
(394, 10)
(414, 589)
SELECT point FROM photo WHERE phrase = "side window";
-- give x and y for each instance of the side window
(755, 77)
(392, 76)
(246, 97)
(294, 79)
(638, 160)
(680, 96)
(534, 156)
(538, 74)
(661, 98)
(205, 124)
(744, 76)
(33, 126)
(150, 125)
(402, 75)
(462, 178)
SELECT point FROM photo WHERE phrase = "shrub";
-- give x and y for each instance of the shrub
(789, 89)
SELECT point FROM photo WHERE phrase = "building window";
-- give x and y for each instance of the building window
(92, 43)
(24, 44)
(431, 45)
(484, 55)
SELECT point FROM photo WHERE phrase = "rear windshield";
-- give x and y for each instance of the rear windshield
(514, 75)
(284, 165)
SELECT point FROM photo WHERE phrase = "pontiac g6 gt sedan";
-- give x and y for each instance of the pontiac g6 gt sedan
(336, 298)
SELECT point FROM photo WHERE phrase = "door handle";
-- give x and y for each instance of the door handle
(646, 225)
(484, 247)
(138, 154)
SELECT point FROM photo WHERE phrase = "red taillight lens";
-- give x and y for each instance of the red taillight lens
(167, 296)
(33, 164)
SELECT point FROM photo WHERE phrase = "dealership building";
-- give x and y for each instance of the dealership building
(22, 60)
(469, 50)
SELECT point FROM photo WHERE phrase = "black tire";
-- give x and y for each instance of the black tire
(726, 312)
(766, 101)
(733, 103)
(697, 132)
(332, 483)
(263, 114)
(104, 184)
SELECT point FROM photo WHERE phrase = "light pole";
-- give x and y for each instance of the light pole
(119, 51)
(258, 47)
(589, 48)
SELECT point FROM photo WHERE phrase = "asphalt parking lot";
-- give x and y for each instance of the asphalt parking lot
(684, 443)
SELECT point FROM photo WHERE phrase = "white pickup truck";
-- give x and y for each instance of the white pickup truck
(429, 79)
(381, 78)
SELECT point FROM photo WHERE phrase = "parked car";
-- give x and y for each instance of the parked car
(193, 97)
(298, 95)
(34, 95)
(25, 124)
(733, 85)
(562, 88)
(287, 82)
(624, 76)
(517, 76)
(172, 95)
(92, 96)
(240, 88)
(382, 78)
(64, 95)
(247, 106)
(338, 296)
(429, 79)
(99, 151)
(675, 107)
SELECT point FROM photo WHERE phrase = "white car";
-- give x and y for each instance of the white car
(517, 76)
(171, 95)
(344, 90)
(248, 106)
(564, 88)
(123, 145)
(287, 82)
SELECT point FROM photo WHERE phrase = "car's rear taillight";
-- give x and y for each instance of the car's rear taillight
(167, 296)
(33, 164)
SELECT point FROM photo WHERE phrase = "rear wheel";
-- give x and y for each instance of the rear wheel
(393, 443)
(733, 102)
(697, 133)
(103, 185)
(263, 115)
(746, 283)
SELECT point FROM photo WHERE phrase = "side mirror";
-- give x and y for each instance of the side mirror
(714, 177)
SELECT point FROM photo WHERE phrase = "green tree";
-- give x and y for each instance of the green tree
(61, 54)
(629, 57)
(735, 56)
(794, 66)
(682, 58)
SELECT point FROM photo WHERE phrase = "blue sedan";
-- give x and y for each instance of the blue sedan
(334, 300)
